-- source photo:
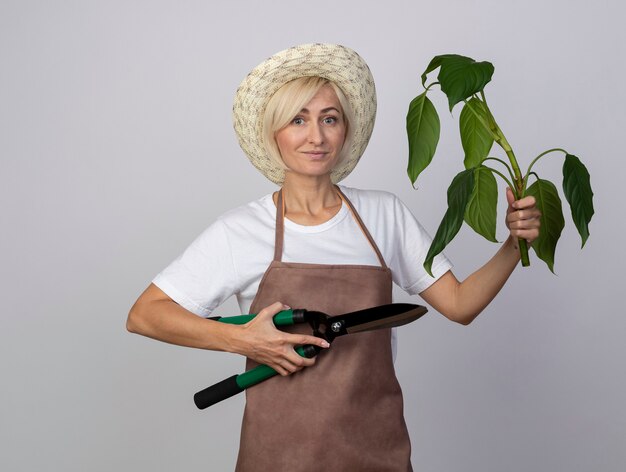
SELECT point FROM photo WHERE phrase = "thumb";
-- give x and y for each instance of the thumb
(271, 310)
(510, 198)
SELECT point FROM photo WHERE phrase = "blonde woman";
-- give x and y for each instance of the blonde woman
(304, 117)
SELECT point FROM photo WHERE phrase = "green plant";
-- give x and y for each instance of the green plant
(473, 193)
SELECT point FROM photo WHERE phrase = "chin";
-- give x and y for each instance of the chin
(311, 173)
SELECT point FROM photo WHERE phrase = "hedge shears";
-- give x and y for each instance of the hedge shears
(323, 326)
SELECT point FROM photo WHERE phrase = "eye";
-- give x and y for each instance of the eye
(298, 120)
(330, 120)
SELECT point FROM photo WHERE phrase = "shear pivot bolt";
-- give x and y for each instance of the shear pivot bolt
(336, 326)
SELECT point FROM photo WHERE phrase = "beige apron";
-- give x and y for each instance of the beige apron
(345, 412)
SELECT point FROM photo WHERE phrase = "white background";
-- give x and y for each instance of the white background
(117, 149)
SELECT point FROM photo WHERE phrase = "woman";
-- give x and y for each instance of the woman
(304, 117)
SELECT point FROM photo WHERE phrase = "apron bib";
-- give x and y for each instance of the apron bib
(345, 412)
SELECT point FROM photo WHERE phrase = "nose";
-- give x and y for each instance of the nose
(316, 135)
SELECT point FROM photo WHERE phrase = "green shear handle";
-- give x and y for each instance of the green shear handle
(282, 318)
(238, 383)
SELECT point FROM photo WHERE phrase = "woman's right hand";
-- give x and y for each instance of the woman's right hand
(262, 342)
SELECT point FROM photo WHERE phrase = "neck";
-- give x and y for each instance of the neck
(310, 200)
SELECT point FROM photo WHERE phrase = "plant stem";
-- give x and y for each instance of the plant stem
(523, 252)
(492, 121)
(508, 182)
(428, 88)
(498, 137)
(519, 182)
(519, 192)
(519, 187)
(487, 126)
(537, 158)
(503, 163)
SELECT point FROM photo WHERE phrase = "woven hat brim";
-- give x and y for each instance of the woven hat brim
(337, 63)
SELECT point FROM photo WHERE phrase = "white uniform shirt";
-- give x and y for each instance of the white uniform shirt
(231, 256)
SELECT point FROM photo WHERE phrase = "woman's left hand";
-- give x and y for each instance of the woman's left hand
(463, 301)
(522, 217)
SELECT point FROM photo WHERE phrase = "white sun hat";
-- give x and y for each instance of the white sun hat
(336, 63)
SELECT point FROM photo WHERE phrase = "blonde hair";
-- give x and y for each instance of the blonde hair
(287, 102)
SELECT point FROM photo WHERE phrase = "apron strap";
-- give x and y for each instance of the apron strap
(364, 229)
(280, 227)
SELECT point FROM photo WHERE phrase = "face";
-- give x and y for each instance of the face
(310, 144)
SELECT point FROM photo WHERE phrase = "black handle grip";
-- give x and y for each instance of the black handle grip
(216, 393)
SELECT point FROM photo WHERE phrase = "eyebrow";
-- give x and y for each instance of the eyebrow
(325, 110)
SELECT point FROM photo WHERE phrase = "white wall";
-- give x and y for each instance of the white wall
(117, 149)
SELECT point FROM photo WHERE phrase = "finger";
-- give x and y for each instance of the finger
(295, 363)
(308, 362)
(527, 234)
(300, 362)
(271, 310)
(527, 214)
(300, 339)
(531, 213)
(297, 360)
(526, 202)
(516, 222)
(283, 361)
(525, 224)
(280, 369)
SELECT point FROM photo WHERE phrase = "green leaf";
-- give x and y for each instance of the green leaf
(458, 195)
(577, 189)
(481, 209)
(552, 222)
(461, 77)
(476, 139)
(422, 128)
(434, 63)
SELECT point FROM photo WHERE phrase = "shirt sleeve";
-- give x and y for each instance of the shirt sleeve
(204, 275)
(410, 247)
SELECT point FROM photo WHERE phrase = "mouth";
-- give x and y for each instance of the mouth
(316, 155)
